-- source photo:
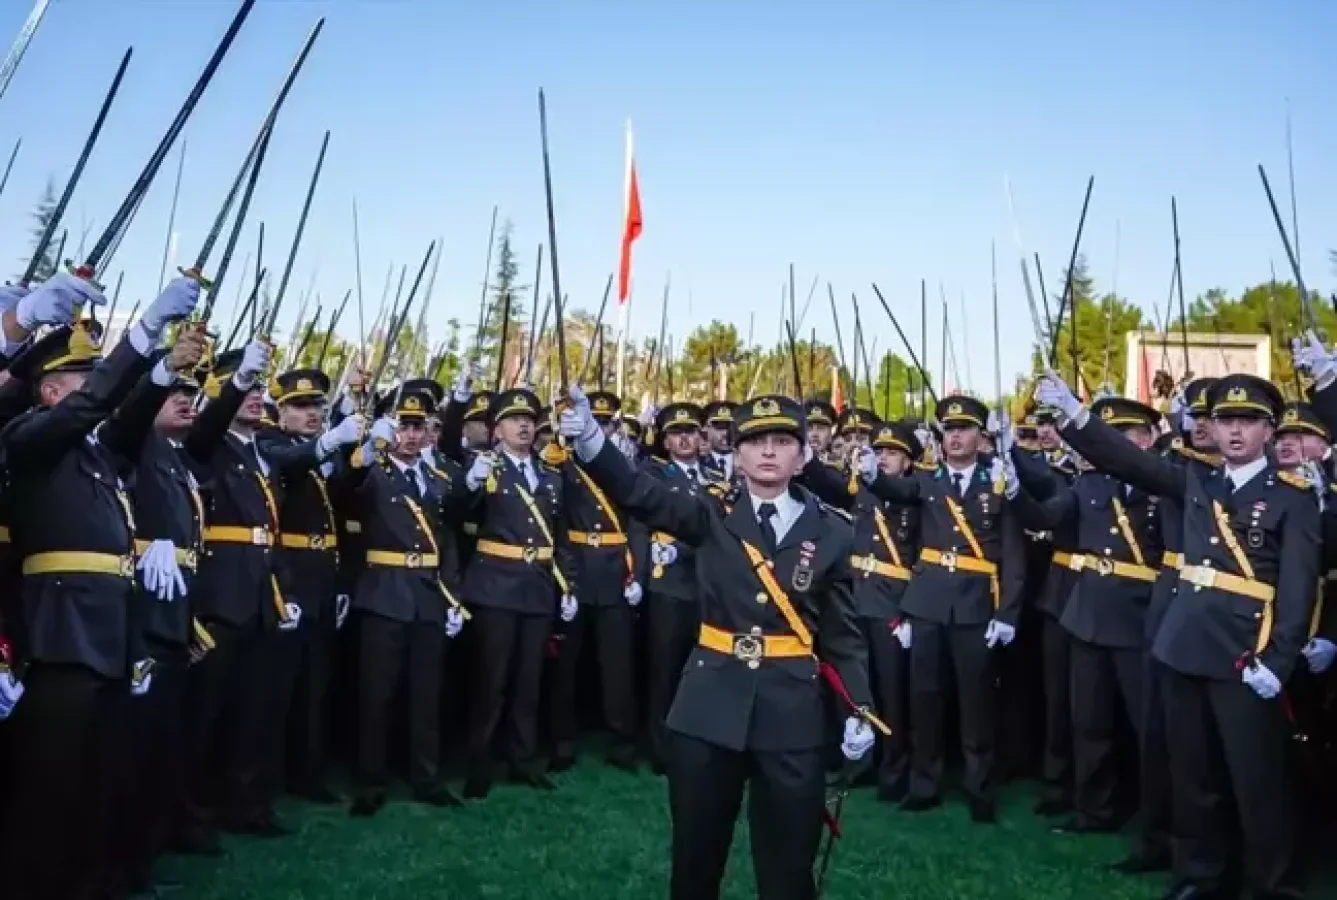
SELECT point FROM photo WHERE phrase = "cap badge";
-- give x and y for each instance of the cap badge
(1292, 417)
(682, 415)
(412, 404)
(954, 409)
(1237, 395)
(1107, 413)
(305, 384)
(766, 407)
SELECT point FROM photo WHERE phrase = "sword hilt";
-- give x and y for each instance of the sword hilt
(196, 275)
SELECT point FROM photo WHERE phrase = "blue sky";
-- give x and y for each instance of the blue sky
(859, 140)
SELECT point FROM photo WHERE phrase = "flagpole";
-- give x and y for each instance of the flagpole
(624, 303)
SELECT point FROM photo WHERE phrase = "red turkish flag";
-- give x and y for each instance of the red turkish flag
(631, 230)
(837, 395)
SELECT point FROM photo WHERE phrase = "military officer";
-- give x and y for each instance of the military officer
(521, 575)
(1233, 634)
(774, 575)
(406, 599)
(718, 452)
(856, 426)
(821, 425)
(598, 537)
(963, 601)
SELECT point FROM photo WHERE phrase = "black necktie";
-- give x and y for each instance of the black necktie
(764, 514)
(414, 485)
(956, 483)
(691, 475)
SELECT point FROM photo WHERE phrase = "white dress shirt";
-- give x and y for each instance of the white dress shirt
(249, 441)
(526, 465)
(966, 474)
(787, 511)
(1239, 476)
(414, 468)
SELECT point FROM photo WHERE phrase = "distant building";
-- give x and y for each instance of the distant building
(1209, 355)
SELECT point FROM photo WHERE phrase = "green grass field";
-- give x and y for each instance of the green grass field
(604, 834)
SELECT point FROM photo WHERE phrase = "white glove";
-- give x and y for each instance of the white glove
(1319, 653)
(454, 622)
(349, 431)
(342, 602)
(904, 633)
(383, 430)
(578, 424)
(140, 679)
(569, 607)
(625, 445)
(858, 740)
(998, 633)
(11, 692)
(1313, 357)
(480, 471)
(1053, 391)
(663, 554)
(159, 572)
(868, 470)
(997, 470)
(346, 405)
(1011, 483)
(293, 617)
(647, 416)
(56, 301)
(1260, 678)
(633, 593)
(10, 295)
(1178, 404)
(254, 363)
(177, 301)
(463, 388)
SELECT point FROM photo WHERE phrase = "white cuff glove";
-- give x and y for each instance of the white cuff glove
(579, 425)
(868, 465)
(56, 301)
(254, 363)
(1314, 358)
(904, 633)
(998, 633)
(463, 388)
(1319, 653)
(633, 593)
(342, 603)
(1053, 391)
(858, 739)
(454, 622)
(349, 431)
(159, 572)
(177, 301)
(480, 471)
(292, 617)
(568, 609)
(11, 692)
(1260, 678)
(663, 554)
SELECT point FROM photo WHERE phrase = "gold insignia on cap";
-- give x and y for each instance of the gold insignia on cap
(518, 400)
(1107, 413)
(1292, 417)
(82, 343)
(885, 434)
(480, 402)
(954, 409)
(766, 407)
(304, 384)
(1237, 395)
(412, 404)
(601, 404)
(682, 415)
(855, 420)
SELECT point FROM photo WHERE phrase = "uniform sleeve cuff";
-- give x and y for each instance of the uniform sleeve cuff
(161, 375)
(142, 340)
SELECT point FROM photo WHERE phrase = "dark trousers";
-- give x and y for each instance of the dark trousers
(1224, 739)
(1156, 808)
(675, 626)
(786, 796)
(1021, 700)
(54, 844)
(889, 663)
(934, 647)
(613, 630)
(1057, 774)
(1103, 679)
(227, 712)
(151, 797)
(508, 674)
(389, 651)
(283, 652)
(308, 713)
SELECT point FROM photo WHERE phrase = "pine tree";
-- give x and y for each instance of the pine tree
(504, 284)
(42, 215)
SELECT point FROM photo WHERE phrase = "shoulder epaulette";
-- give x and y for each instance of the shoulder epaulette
(439, 473)
(659, 459)
(1207, 459)
(1295, 481)
(835, 510)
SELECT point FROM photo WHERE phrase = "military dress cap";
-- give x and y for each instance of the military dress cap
(720, 412)
(1300, 418)
(857, 420)
(1196, 394)
(767, 414)
(429, 386)
(1028, 427)
(820, 412)
(1120, 412)
(604, 404)
(515, 402)
(679, 417)
(898, 436)
(269, 418)
(414, 406)
(1245, 396)
(958, 409)
(634, 429)
(478, 407)
(69, 348)
(300, 384)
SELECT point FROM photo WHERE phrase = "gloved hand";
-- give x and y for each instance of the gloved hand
(568, 608)
(141, 677)
(1260, 678)
(868, 470)
(578, 424)
(647, 416)
(177, 301)
(383, 431)
(998, 633)
(633, 593)
(1178, 403)
(1053, 391)
(342, 602)
(1319, 653)
(56, 301)
(902, 632)
(858, 739)
(1011, 483)
(10, 295)
(663, 554)
(254, 363)
(807, 453)
(1312, 357)
(292, 617)
(481, 470)
(1005, 438)
(349, 431)
(11, 692)
(1313, 472)
(159, 572)
(463, 388)
(454, 622)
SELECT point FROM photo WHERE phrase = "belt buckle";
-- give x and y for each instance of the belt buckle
(949, 560)
(1104, 566)
(1077, 562)
(1203, 577)
(868, 563)
(594, 539)
(127, 566)
(260, 536)
(748, 648)
(530, 554)
(316, 541)
(413, 560)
